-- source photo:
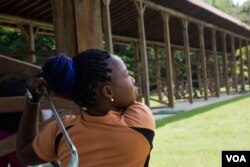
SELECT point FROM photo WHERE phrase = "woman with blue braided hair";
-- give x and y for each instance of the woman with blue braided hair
(113, 130)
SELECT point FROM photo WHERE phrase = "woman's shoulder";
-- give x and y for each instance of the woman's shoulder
(139, 115)
(67, 120)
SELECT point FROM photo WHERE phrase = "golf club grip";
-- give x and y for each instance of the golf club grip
(72, 148)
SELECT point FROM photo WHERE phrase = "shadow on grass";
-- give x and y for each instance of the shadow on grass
(196, 111)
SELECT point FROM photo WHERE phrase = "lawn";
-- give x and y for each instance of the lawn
(197, 137)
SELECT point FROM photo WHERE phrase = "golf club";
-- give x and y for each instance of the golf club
(73, 161)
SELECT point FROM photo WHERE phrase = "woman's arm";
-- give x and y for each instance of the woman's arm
(28, 127)
(28, 130)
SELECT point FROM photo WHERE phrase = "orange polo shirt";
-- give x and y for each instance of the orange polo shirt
(114, 140)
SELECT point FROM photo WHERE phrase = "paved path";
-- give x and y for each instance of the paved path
(185, 106)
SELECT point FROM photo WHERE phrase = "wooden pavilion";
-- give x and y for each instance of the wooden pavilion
(206, 37)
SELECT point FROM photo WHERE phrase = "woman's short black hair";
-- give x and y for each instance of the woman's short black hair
(91, 67)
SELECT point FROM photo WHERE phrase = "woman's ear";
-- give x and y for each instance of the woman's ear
(107, 91)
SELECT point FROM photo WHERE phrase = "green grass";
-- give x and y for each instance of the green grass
(197, 137)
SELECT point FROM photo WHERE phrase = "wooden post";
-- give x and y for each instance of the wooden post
(235, 77)
(187, 58)
(203, 58)
(175, 79)
(158, 73)
(88, 24)
(143, 50)
(225, 63)
(107, 25)
(216, 69)
(29, 35)
(248, 62)
(64, 26)
(138, 69)
(165, 18)
(77, 25)
(241, 68)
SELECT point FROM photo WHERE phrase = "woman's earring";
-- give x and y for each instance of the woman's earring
(111, 99)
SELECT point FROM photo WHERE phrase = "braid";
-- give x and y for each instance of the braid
(91, 67)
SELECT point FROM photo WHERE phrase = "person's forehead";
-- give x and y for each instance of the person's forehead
(118, 64)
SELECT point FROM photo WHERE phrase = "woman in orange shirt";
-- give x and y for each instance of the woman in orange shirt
(113, 130)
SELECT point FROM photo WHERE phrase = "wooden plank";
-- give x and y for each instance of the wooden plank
(17, 68)
(143, 50)
(187, 59)
(216, 67)
(88, 24)
(16, 104)
(165, 18)
(225, 61)
(64, 26)
(203, 59)
(107, 32)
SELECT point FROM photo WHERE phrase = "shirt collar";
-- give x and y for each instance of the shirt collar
(112, 117)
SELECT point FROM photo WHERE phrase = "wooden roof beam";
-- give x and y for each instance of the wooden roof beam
(157, 7)
(18, 20)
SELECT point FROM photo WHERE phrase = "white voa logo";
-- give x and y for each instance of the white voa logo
(236, 158)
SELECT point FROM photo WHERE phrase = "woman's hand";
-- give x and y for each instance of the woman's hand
(34, 89)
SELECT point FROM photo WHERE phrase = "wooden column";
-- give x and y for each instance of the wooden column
(165, 19)
(30, 33)
(203, 58)
(77, 25)
(216, 69)
(107, 25)
(235, 77)
(225, 64)
(64, 26)
(138, 69)
(199, 77)
(175, 79)
(88, 24)
(143, 49)
(241, 68)
(158, 73)
(248, 62)
(187, 58)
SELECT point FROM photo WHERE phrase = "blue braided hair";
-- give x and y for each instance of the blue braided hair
(59, 73)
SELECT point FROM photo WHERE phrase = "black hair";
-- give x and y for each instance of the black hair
(91, 68)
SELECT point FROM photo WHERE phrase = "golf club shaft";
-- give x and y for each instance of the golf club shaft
(72, 148)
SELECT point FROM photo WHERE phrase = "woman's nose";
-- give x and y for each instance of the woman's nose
(132, 79)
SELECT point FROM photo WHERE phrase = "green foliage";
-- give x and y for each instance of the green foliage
(244, 11)
(126, 53)
(44, 42)
(11, 41)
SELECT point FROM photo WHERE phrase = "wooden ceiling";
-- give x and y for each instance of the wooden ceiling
(124, 19)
